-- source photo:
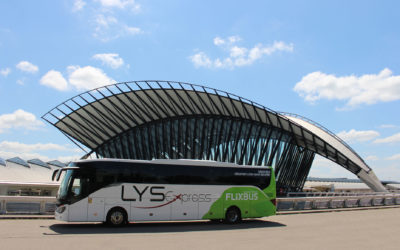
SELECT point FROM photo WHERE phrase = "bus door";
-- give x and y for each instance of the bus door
(77, 210)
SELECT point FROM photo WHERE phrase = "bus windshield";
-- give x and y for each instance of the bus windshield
(70, 187)
(63, 190)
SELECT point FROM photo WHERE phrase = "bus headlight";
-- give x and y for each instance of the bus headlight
(61, 209)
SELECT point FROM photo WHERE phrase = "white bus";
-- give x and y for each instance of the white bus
(120, 191)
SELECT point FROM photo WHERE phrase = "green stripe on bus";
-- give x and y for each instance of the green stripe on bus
(251, 201)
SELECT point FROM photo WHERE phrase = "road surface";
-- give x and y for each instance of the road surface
(364, 229)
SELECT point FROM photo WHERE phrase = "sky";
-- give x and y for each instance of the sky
(334, 62)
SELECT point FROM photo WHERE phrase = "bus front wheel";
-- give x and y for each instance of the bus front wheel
(233, 215)
(117, 217)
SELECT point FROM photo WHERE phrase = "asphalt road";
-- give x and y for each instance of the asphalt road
(364, 229)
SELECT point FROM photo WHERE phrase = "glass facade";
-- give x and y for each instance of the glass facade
(243, 142)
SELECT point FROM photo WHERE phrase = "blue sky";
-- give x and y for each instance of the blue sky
(335, 62)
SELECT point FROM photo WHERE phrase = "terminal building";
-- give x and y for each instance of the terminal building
(28, 178)
(344, 185)
(173, 120)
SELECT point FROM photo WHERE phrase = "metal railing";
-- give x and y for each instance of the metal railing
(335, 202)
(27, 205)
(330, 194)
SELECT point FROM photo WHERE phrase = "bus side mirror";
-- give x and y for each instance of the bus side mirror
(54, 174)
(59, 174)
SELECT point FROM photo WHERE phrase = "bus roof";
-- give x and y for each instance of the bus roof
(174, 162)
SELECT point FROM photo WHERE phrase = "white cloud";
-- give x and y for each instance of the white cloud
(54, 79)
(238, 52)
(108, 27)
(121, 4)
(27, 148)
(107, 17)
(69, 158)
(325, 168)
(238, 56)
(390, 139)
(365, 89)
(88, 77)
(19, 119)
(394, 157)
(78, 5)
(131, 30)
(385, 170)
(9, 149)
(388, 172)
(218, 41)
(388, 126)
(358, 136)
(21, 81)
(110, 59)
(27, 67)
(33, 155)
(372, 158)
(104, 22)
(201, 60)
(5, 72)
(79, 78)
(234, 39)
(25, 156)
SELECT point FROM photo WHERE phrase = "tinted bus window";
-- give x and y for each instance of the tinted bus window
(102, 175)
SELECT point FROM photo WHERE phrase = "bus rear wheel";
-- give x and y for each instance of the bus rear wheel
(233, 215)
(117, 217)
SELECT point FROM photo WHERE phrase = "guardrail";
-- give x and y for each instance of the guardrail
(27, 205)
(47, 205)
(329, 194)
(333, 202)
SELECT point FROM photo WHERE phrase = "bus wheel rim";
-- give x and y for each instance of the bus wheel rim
(117, 217)
(232, 216)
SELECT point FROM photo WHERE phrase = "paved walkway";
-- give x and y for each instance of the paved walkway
(360, 229)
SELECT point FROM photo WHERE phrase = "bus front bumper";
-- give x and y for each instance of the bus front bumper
(61, 213)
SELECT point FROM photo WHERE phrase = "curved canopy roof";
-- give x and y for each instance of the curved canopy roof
(330, 138)
(96, 116)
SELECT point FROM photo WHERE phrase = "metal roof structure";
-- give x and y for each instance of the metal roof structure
(338, 144)
(2, 162)
(164, 119)
(57, 163)
(39, 163)
(19, 161)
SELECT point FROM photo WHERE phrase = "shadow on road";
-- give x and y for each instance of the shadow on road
(159, 227)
